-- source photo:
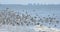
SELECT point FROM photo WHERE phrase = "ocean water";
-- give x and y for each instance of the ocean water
(35, 10)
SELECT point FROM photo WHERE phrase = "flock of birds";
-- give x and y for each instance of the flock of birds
(8, 17)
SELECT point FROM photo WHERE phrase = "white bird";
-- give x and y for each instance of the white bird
(44, 28)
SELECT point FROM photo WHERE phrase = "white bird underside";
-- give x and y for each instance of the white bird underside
(44, 28)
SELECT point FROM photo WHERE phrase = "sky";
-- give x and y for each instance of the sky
(29, 1)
